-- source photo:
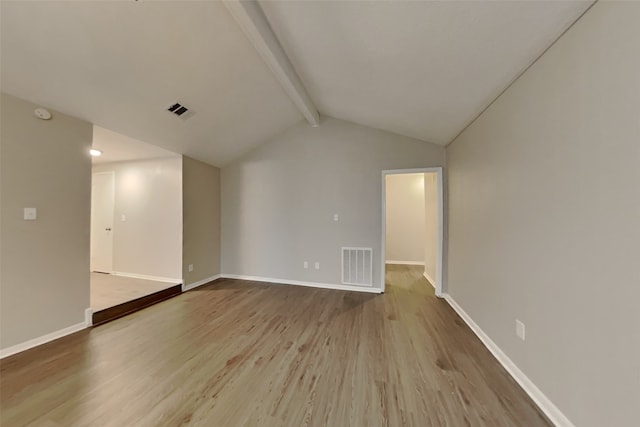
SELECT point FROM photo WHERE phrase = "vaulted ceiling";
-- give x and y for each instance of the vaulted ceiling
(116, 147)
(421, 69)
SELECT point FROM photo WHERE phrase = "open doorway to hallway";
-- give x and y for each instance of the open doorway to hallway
(136, 225)
(412, 223)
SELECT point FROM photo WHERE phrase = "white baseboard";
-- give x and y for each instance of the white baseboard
(145, 277)
(200, 283)
(307, 284)
(429, 279)
(552, 412)
(404, 262)
(88, 317)
(9, 351)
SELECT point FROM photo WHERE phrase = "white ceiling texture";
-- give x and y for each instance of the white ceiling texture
(249, 70)
(116, 147)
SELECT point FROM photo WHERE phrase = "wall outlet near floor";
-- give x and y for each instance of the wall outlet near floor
(520, 329)
(190, 267)
(317, 265)
(305, 264)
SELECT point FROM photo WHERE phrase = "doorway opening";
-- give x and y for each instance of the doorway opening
(412, 222)
(136, 225)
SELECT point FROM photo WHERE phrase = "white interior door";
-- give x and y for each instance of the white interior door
(102, 200)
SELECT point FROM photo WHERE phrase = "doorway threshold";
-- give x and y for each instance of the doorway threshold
(108, 314)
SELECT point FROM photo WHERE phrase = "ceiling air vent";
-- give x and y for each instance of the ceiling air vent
(180, 110)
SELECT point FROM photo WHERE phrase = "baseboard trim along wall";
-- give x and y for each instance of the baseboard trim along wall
(551, 411)
(9, 351)
(307, 284)
(429, 279)
(145, 277)
(200, 282)
(404, 262)
(88, 317)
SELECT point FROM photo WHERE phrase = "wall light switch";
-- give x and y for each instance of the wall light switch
(30, 214)
(123, 218)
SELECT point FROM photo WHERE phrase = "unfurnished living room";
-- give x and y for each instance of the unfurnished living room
(346, 213)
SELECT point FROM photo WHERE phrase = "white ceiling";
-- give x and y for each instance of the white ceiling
(418, 68)
(421, 69)
(120, 64)
(116, 147)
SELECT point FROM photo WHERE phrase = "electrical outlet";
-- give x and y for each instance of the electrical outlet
(336, 217)
(190, 267)
(520, 329)
(317, 265)
(305, 264)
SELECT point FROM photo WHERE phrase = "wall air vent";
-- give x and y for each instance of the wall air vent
(357, 266)
(180, 110)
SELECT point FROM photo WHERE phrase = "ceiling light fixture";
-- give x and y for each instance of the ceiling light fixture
(95, 153)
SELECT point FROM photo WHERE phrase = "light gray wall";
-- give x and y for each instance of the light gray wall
(544, 226)
(44, 266)
(149, 193)
(405, 216)
(278, 201)
(201, 218)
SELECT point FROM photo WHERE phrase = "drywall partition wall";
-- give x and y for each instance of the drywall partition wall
(44, 272)
(405, 218)
(147, 223)
(201, 207)
(544, 202)
(431, 225)
(279, 201)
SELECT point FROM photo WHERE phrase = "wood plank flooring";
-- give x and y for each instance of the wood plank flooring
(240, 353)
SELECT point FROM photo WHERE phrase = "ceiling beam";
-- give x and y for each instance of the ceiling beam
(255, 25)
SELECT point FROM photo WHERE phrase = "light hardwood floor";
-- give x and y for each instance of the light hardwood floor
(240, 353)
(108, 290)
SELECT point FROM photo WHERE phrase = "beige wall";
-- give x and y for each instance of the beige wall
(544, 204)
(431, 225)
(201, 216)
(278, 201)
(405, 218)
(44, 267)
(149, 193)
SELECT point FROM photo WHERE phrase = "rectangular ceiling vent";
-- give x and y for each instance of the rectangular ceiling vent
(180, 110)
(357, 266)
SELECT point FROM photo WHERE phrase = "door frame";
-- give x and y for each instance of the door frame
(439, 243)
(112, 175)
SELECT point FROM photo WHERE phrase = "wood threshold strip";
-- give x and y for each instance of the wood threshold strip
(115, 312)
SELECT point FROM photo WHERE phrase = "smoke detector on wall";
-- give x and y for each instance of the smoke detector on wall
(180, 110)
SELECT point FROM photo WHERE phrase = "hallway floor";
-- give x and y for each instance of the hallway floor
(108, 290)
